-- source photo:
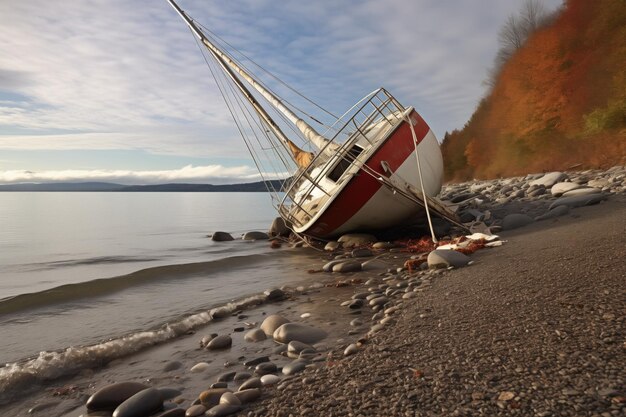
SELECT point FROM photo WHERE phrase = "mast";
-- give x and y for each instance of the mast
(231, 68)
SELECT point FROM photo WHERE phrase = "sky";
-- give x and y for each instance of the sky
(117, 91)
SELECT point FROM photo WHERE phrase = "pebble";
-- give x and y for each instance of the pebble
(350, 350)
(446, 258)
(347, 266)
(269, 379)
(211, 397)
(255, 236)
(220, 342)
(145, 402)
(351, 240)
(273, 322)
(230, 398)
(248, 395)
(221, 237)
(195, 410)
(301, 332)
(111, 396)
(294, 367)
(222, 410)
(255, 335)
(253, 382)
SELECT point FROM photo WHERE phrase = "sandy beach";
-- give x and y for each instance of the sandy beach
(534, 327)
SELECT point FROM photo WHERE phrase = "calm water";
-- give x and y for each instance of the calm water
(94, 276)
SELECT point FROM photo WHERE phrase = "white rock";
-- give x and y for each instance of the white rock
(200, 367)
(562, 187)
(269, 379)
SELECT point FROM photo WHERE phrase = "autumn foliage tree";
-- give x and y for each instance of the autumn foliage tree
(558, 101)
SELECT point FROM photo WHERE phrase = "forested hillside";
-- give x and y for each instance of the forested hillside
(558, 101)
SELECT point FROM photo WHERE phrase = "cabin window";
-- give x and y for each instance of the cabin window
(345, 162)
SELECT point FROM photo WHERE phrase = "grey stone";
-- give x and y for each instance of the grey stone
(279, 228)
(174, 412)
(248, 395)
(211, 397)
(549, 179)
(253, 382)
(347, 266)
(145, 402)
(582, 191)
(226, 376)
(111, 396)
(169, 393)
(222, 410)
(294, 367)
(350, 350)
(444, 258)
(195, 410)
(332, 246)
(256, 361)
(229, 398)
(562, 187)
(255, 335)
(275, 294)
(220, 342)
(221, 237)
(255, 236)
(328, 267)
(300, 332)
(265, 368)
(271, 323)
(296, 346)
(578, 201)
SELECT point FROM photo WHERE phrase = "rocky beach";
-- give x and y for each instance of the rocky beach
(525, 318)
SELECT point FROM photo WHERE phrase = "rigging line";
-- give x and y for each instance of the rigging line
(228, 106)
(275, 144)
(275, 147)
(269, 73)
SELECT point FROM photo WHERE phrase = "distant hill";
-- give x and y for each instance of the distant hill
(104, 186)
(558, 102)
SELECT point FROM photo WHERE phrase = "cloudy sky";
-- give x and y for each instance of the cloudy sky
(113, 90)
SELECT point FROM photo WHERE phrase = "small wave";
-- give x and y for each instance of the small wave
(105, 286)
(16, 378)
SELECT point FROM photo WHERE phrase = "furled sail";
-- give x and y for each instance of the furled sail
(300, 156)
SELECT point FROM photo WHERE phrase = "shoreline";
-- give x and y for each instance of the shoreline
(387, 374)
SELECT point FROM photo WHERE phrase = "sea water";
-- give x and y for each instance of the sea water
(90, 277)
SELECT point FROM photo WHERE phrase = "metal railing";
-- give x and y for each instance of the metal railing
(366, 124)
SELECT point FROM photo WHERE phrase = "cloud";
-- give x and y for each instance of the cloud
(127, 75)
(211, 174)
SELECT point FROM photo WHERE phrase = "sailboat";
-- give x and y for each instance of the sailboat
(375, 167)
